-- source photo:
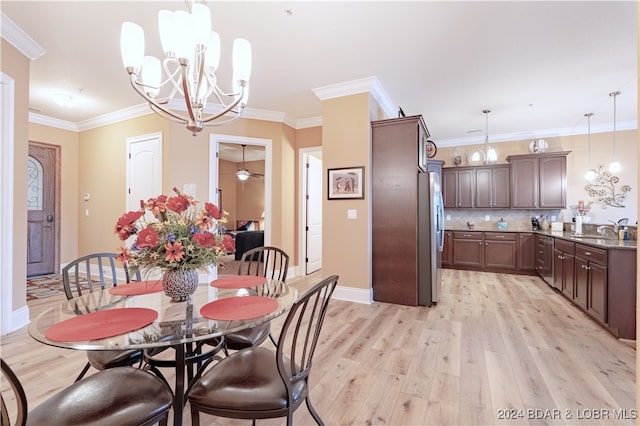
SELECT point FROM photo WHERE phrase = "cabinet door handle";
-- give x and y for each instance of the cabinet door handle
(587, 253)
(499, 236)
(585, 267)
(486, 244)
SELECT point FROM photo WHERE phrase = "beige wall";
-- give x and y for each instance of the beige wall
(577, 166)
(16, 66)
(102, 173)
(346, 136)
(70, 197)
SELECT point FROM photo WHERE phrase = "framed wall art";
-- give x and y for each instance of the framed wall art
(346, 183)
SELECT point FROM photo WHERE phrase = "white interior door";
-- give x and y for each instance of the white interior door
(144, 169)
(314, 214)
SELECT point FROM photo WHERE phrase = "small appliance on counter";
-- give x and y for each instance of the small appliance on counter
(535, 225)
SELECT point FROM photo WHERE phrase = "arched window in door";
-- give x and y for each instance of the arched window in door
(35, 186)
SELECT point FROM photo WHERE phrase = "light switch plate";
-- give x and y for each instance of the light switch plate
(352, 214)
(487, 218)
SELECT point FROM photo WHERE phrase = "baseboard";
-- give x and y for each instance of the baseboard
(19, 318)
(352, 294)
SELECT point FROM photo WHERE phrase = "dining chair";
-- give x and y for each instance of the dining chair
(269, 262)
(95, 272)
(118, 396)
(259, 383)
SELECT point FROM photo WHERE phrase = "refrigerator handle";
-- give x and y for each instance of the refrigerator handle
(440, 221)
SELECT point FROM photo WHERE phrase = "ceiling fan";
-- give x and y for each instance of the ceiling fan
(243, 174)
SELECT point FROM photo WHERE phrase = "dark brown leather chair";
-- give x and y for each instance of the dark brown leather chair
(269, 262)
(118, 396)
(259, 383)
(94, 272)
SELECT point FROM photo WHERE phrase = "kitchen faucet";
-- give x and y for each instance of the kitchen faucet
(602, 228)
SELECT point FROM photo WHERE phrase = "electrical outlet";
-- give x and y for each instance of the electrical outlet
(553, 218)
(448, 217)
(487, 218)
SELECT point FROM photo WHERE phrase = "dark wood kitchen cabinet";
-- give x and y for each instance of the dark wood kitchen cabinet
(458, 187)
(398, 258)
(591, 281)
(447, 248)
(468, 249)
(539, 181)
(492, 186)
(526, 252)
(564, 267)
(500, 250)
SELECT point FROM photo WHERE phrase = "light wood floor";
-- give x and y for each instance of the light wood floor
(497, 349)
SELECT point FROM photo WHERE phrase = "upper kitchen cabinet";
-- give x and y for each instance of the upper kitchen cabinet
(458, 187)
(539, 181)
(492, 186)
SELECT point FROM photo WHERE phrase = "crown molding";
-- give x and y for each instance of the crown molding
(538, 134)
(19, 39)
(368, 84)
(52, 122)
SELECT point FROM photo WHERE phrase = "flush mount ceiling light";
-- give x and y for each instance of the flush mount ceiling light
(591, 173)
(64, 100)
(192, 54)
(614, 167)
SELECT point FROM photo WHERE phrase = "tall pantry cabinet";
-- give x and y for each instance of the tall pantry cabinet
(398, 155)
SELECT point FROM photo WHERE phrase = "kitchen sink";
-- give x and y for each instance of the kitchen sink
(593, 237)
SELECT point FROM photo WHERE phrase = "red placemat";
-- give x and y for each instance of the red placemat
(238, 281)
(239, 308)
(139, 287)
(101, 324)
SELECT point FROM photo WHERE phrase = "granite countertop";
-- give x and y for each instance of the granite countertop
(590, 239)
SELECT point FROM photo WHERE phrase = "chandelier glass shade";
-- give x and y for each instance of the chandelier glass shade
(192, 55)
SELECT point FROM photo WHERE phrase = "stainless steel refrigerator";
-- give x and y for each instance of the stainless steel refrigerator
(430, 238)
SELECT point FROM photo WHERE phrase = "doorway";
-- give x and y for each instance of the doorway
(43, 209)
(311, 173)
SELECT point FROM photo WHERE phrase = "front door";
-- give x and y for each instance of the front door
(41, 210)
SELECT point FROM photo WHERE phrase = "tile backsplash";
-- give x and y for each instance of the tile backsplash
(517, 220)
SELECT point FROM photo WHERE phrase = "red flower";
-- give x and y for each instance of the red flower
(130, 217)
(125, 226)
(212, 210)
(178, 204)
(174, 252)
(148, 237)
(205, 239)
(229, 243)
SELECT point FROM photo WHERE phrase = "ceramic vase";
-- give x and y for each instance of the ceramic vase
(180, 284)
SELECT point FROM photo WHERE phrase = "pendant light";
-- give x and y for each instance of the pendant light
(591, 173)
(491, 156)
(614, 167)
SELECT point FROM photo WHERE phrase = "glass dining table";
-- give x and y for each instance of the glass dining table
(140, 316)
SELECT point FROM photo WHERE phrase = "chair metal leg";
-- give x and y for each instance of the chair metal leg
(313, 412)
(83, 372)
(195, 416)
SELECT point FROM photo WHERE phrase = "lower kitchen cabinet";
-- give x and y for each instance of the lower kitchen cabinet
(526, 252)
(564, 267)
(468, 249)
(591, 281)
(500, 250)
(447, 248)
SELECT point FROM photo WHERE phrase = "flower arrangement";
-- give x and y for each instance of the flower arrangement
(180, 237)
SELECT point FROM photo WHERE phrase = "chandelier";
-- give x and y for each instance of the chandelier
(489, 154)
(192, 54)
